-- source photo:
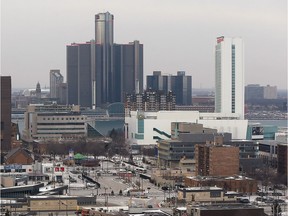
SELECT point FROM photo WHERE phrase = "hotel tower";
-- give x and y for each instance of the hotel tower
(229, 76)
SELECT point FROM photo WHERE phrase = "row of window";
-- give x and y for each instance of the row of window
(64, 123)
(41, 129)
(70, 118)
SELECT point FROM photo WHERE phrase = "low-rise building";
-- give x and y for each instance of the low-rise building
(146, 128)
(204, 194)
(240, 184)
(216, 159)
(19, 156)
(184, 137)
(48, 122)
(224, 210)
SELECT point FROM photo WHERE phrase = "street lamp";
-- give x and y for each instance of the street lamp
(65, 206)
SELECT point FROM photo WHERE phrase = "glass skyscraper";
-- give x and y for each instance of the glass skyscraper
(104, 51)
(180, 85)
(100, 72)
(229, 76)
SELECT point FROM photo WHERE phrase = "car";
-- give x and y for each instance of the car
(277, 194)
(244, 200)
(260, 199)
(280, 201)
(261, 193)
(90, 184)
(72, 180)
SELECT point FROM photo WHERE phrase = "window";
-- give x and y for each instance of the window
(215, 193)
(140, 126)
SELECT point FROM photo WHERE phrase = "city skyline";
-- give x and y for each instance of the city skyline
(175, 36)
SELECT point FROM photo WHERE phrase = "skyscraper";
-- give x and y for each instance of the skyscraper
(72, 73)
(56, 79)
(104, 40)
(229, 76)
(100, 72)
(79, 69)
(128, 69)
(158, 82)
(180, 85)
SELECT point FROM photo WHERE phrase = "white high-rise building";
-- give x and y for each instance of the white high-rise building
(229, 76)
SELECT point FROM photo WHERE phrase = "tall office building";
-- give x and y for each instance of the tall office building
(104, 39)
(229, 76)
(128, 68)
(100, 72)
(56, 79)
(158, 82)
(5, 113)
(72, 73)
(79, 69)
(180, 85)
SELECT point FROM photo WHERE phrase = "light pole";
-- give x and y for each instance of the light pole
(65, 204)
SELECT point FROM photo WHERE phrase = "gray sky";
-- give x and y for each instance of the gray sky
(177, 35)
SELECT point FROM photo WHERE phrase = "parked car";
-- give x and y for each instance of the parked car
(244, 200)
(277, 194)
(280, 201)
(261, 193)
(260, 199)
(73, 180)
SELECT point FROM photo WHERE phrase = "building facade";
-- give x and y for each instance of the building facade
(216, 159)
(128, 68)
(5, 113)
(145, 128)
(170, 151)
(203, 194)
(256, 92)
(100, 72)
(56, 79)
(48, 122)
(104, 72)
(282, 161)
(229, 76)
(180, 85)
(149, 101)
(235, 183)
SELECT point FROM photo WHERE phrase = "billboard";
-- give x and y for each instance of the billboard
(257, 133)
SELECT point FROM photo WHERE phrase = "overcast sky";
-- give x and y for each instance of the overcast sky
(177, 35)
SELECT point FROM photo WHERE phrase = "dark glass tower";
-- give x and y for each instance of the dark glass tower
(180, 85)
(100, 72)
(79, 85)
(158, 82)
(128, 67)
(72, 73)
(104, 51)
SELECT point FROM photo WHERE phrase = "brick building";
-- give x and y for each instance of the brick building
(19, 156)
(5, 113)
(216, 159)
(225, 210)
(236, 183)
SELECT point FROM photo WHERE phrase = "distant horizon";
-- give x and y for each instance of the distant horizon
(177, 36)
(211, 88)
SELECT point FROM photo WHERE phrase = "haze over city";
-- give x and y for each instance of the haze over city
(34, 35)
